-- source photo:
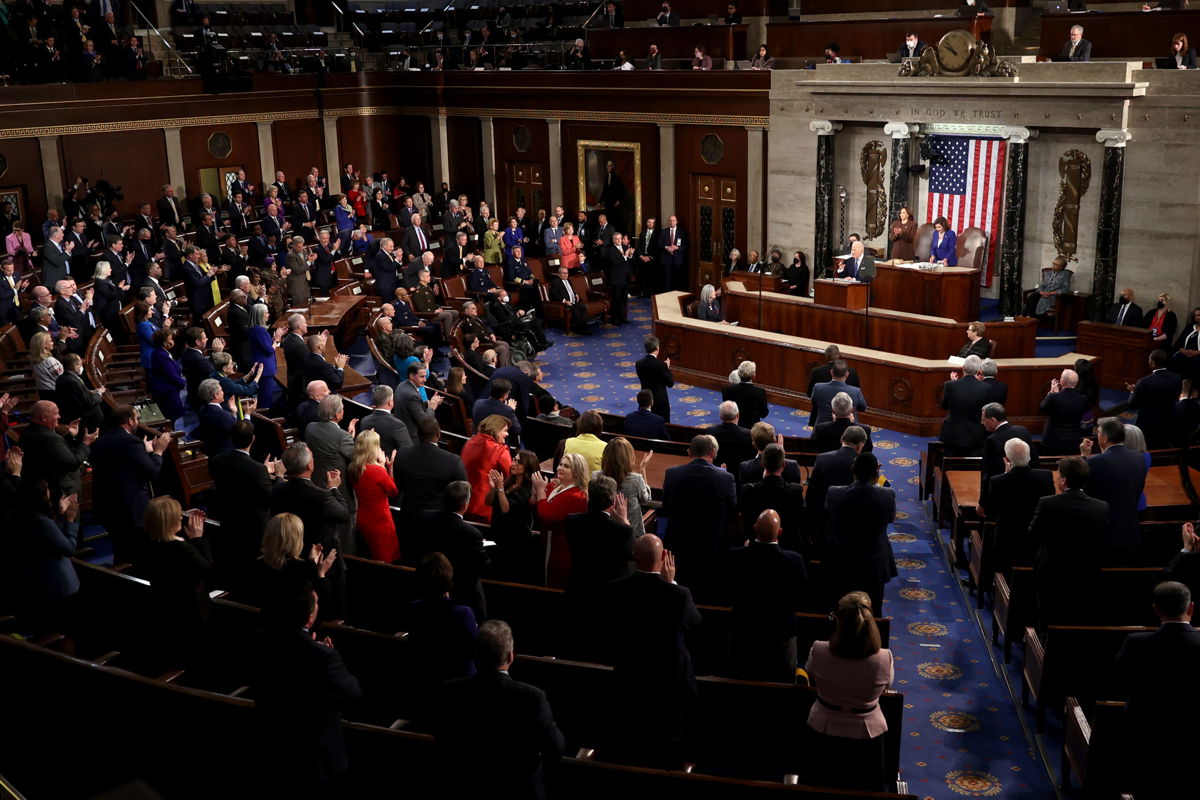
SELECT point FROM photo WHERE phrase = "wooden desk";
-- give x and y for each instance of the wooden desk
(1119, 34)
(1163, 487)
(333, 314)
(873, 39)
(752, 280)
(943, 292)
(719, 41)
(902, 391)
(841, 294)
(915, 334)
(1126, 351)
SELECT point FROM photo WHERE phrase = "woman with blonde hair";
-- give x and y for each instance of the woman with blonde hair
(493, 243)
(374, 485)
(569, 247)
(46, 368)
(563, 495)
(618, 463)
(281, 573)
(484, 453)
(977, 342)
(587, 441)
(850, 672)
(177, 567)
(1162, 322)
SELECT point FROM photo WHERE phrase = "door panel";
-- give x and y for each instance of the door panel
(714, 218)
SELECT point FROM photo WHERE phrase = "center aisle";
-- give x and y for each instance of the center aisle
(963, 735)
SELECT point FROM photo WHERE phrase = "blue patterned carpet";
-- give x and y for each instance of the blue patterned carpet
(963, 734)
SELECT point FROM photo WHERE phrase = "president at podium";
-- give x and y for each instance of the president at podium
(859, 265)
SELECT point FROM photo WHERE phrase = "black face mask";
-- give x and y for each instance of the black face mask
(1160, 304)
(1124, 299)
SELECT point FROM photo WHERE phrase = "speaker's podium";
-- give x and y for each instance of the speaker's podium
(841, 294)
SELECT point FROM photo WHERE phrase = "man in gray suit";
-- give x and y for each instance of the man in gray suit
(56, 260)
(332, 448)
(393, 434)
(550, 238)
(860, 265)
(410, 407)
(823, 394)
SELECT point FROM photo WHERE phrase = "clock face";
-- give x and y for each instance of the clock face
(954, 51)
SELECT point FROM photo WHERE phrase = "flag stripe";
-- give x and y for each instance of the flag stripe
(966, 186)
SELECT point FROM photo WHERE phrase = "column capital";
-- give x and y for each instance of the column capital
(1113, 137)
(1018, 135)
(900, 130)
(823, 127)
(666, 125)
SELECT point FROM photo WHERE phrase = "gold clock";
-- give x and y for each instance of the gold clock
(954, 52)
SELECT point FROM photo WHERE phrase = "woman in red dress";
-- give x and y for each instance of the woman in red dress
(569, 247)
(358, 199)
(564, 495)
(371, 477)
(484, 452)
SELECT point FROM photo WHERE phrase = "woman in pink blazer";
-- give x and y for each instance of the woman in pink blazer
(18, 245)
(850, 672)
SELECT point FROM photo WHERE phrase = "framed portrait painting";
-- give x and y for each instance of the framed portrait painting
(610, 181)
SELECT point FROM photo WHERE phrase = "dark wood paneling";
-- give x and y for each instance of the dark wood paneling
(391, 142)
(299, 146)
(466, 155)
(24, 159)
(645, 135)
(507, 152)
(876, 40)
(1117, 34)
(943, 294)
(134, 160)
(689, 164)
(243, 137)
(1125, 349)
(635, 10)
(720, 41)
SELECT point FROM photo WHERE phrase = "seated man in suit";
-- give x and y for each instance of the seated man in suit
(824, 373)
(498, 402)
(773, 491)
(912, 46)
(645, 423)
(1013, 496)
(860, 266)
(733, 441)
(510, 323)
(828, 435)
(548, 410)
(1154, 398)
(751, 400)
(506, 723)
(823, 393)
(860, 554)
(1076, 48)
(561, 291)
(1125, 311)
(1000, 431)
(964, 397)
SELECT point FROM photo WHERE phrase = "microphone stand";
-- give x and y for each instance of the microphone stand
(760, 299)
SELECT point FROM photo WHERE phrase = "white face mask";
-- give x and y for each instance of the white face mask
(504, 300)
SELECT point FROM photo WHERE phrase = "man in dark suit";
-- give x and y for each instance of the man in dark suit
(1012, 498)
(393, 434)
(1125, 311)
(600, 541)
(620, 273)
(216, 418)
(446, 532)
(860, 555)
(414, 241)
(751, 470)
(656, 377)
(823, 394)
(699, 501)
(964, 397)
(317, 368)
(1117, 474)
(859, 265)
(824, 373)
(123, 465)
(827, 436)
(1154, 671)
(199, 283)
(410, 407)
(997, 389)
(644, 423)
(1068, 530)
(649, 248)
(673, 254)
(196, 365)
(831, 469)
(648, 616)
(51, 456)
(423, 471)
(1064, 406)
(324, 275)
(455, 261)
(243, 501)
(117, 259)
(773, 491)
(912, 46)
(384, 269)
(733, 441)
(561, 291)
(767, 586)
(55, 259)
(300, 686)
(1076, 48)
(994, 419)
(498, 403)
(520, 380)
(751, 400)
(170, 210)
(295, 351)
(239, 215)
(507, 724)
(77, 400)
(304, 217)
(73, 311)
(1154, 398)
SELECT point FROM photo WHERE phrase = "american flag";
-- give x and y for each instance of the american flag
(966, 186)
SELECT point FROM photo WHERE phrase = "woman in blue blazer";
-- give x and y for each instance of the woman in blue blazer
(942, 250)
(145, 331)
(166, 376)
(263, 343)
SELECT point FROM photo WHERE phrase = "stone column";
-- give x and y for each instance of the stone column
(901, 133)
(823, 219)
(488, 142)
(333, 166)
(52, 174)
(666, 173)
(754, 192)
(1012, 235)
(440, 144)
(1108, 224)
(175, 170)
(554, 126)
(266, 154)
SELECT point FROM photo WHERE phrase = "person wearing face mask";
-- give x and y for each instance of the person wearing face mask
(973, 8)
(667, 18)
(912, 46)
(1125, 311)
(1163, 322)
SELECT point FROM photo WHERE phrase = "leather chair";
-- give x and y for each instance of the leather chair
(972, 248)
(923, 241)
(559, 314)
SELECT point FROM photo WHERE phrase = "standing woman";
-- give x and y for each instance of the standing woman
(263, 344)
(904, 230)
(178, 567)
(166, 379)
(850, 672)
(345, 214)
(514, 236)
(46, 368)
(618, 463)
(143, 312)
(107, 295)
(374, 485)
(358, 201)
(379, 211)
(565, 494)
(568, 246)
(796, 276)
(1162, 323)
(271, 198)
(493, 244)
(512, 505)
(18, 245)
(483, 454)
(46, 584)
(943, 248)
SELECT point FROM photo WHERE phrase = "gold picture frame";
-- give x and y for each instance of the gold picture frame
(594, 156)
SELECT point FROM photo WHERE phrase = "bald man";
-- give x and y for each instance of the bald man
(648, 617)
(767, 585)
(306, 412)
(51, 456)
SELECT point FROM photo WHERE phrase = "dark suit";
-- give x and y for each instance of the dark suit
(673, 264)
(383, 270)
(216, 425)
(55, 264)
(733, 444)
(620, 272)
(600, 552)
(393, 434)
(410, 408)
(699, 500)
(560, 292)
(860, 555)
(751, 402)
(824, 374)
(453, 263)
(316, 368)
(1061, 433)
(822, 400)
(962, 432)
(170, 212)
(122, 472)
(295, 351)
(1154, 398)
(645, 424)
(751, 471)
(77, 401)
(993, 455)
(656, 377)
(1014, 496)
(196, 368)
(830, 469)
(1083, 51)
(905, 52)
(53, 458)
(423, 472)
(774, 491)
(507, 726)
(828, 435)
(67, 313)
(1132, 318)
(239, 334)
(324, 512)
(1068, 532)
(461, 542)
(199, 293)
(648, 618)
(767, 586)
(1119, 476)
(487, 406)
(997, 390)
(243, 501)
(862, 271)
(411, 242)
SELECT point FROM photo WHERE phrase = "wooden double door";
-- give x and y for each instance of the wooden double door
(714, 216)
